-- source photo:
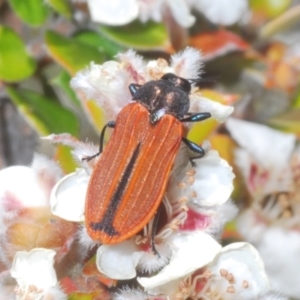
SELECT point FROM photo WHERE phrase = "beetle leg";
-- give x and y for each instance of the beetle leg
(197, 117)
(194, 147)
(154, 228)
(133, 87)
(110, 124)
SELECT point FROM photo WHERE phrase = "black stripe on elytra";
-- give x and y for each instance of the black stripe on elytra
(105, 224)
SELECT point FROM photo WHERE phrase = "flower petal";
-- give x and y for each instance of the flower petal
(211, 183)
(134, 66)
(246, 269)
(223, 12)
(190, 252)
(34, 268)
(107, 84)
(118, 261)
(218, 111)
(268, 146)
(280, 250)
(20, 184)
(187, 63)
(80, 150)
(251, 227)
(181, 13)
(68, 196)
(116, 12)
(155, 69)
(127, 293)
(213, 180)
(47, 172)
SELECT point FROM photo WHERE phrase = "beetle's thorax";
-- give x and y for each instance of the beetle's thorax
(163, 97)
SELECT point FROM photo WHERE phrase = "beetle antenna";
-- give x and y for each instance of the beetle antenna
(199, 82)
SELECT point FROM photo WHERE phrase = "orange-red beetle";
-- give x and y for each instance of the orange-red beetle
(129, 180)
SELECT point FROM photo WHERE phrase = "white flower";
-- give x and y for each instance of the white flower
(108, 83)
(118, 261)
(273, 296)
(186, 64)
(234, 272)
(263, 157)
(25, 214)
(118, 12)
(22, 187)
(249, 227)
(80, 149)
(65, 193)
(115, 12)
(257, 140)
(12, 199)
(237, 272)
(35, 274)
(131, 294)
(218, 111)
(207, 184)
(199, 195)
(70, 189)
(279, 249)
(223, 12)
(270, 165)
(33, 183)
(190, 251)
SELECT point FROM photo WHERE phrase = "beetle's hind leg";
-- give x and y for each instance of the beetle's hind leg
(154, 228)
(110, 124)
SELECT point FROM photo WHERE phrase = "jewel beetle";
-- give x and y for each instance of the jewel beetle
(130, 177)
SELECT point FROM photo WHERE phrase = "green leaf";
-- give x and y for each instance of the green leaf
(138, 35)
(15, 62)
(73, 55)
(63, 7)
(62, 80)
(63, 155)
(296, 100)
(269, 8)
(94, 39)
(45, 115)
(283, 22)
(32, 12)
(82, 296)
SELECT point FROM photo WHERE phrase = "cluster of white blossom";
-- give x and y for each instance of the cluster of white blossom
(191, 263)
(118, 12)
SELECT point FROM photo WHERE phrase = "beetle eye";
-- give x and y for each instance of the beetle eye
(182, 83)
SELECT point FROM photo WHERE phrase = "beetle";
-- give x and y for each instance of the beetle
(129, 179)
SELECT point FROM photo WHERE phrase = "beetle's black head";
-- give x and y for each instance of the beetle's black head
(168, 95)
(177, 81)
